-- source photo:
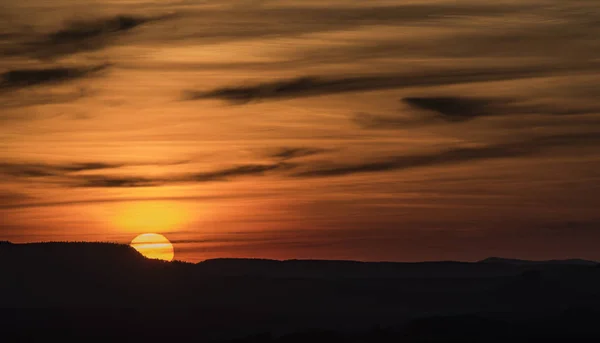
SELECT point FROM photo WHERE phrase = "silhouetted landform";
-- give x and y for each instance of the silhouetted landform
(83, 290)
(574, 261)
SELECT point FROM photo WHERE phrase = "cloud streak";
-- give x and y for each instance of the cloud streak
(292, 153)
(66, 174)
(459, 109)
(456, 109)
(80, 36)
(238, 171)
(115, 182)
(452, 156)
(316, 86)
(43, 170)
(24, 78)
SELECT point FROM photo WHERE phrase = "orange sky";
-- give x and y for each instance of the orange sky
(379, 130)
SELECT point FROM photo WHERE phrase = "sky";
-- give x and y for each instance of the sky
(373, 130)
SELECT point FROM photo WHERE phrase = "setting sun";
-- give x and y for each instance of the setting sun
(153, 245)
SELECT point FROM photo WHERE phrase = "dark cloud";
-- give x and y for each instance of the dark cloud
(434, 110)
(81, 35)
(315, 86)
(9, 197)
(243, 170)
(67, 174)
(29, 170)
(24, 78)
(290, 153)
(114, 182)
(451, 156)
(226, 174)
(115, 200)
(454, 156)
(456, 108)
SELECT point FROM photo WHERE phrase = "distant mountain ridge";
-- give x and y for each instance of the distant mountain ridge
(225, 260)
(87, 248)
(104, 258)
(572, 261)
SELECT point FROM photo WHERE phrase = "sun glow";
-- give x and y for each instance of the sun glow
(153, 216)
(153, 245)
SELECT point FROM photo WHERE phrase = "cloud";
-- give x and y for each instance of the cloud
(453, 156)
(243, 170)
(30, 170)
(450, 156)
(67, 174)
(316, 86)
(123, 199)
(456, 109)
(24, 78)
(435, 110)
(227, 174)
(81, 35)
(115, 182)
(290, 153)
(8, 198)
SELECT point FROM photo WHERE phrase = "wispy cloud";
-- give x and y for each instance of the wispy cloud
(24, 78)
(238, 171)
(456, 108)
(10, 197)
(99, 181)
(43, 169)
(80, 35)
(315, 86)
(67, 174)
(452, 156)
(296, 152)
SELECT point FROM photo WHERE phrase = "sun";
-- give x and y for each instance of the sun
(154, 245)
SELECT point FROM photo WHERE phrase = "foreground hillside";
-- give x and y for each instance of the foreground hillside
(98, 286)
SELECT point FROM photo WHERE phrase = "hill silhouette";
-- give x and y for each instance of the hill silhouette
(574, 261)
(84, 288)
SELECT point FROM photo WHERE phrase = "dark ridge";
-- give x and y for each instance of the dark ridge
(331, 269)
(573, 261)
(72, 253)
